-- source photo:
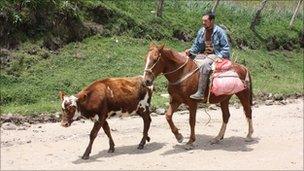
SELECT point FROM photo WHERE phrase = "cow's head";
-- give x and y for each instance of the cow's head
(69, 109)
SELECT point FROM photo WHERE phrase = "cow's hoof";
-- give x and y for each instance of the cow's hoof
(214, 141)
(140, 147)
(111, 150)
(179, 138)
(248, 139)
(189, 146)
(85, 157)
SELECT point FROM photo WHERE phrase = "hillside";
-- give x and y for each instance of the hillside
(91, 40)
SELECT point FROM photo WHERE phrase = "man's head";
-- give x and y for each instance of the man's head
(208, 20)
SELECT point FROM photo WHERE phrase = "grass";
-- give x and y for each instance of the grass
(32, 82)
(78, 64)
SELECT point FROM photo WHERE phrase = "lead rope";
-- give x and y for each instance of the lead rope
(208, 103)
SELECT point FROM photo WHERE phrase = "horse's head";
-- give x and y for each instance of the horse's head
(154, 64)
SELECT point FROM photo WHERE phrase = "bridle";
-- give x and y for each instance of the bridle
(170, 72)
(166, 73)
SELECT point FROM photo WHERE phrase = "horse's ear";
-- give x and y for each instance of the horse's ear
(161, 47)
(152, 44)
(61, 95)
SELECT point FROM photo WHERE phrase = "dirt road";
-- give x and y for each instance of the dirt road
(278, 143)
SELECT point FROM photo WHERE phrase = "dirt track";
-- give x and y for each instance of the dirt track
(278, 143)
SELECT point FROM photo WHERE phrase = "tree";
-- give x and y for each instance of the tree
(159, 7)
(215, 5)
(295, 13)
(256, 20)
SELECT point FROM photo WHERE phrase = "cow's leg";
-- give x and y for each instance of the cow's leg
(225, 117)
(106, 129)
(147, 120)
(172, 107)
(244, 97)
(93, 134)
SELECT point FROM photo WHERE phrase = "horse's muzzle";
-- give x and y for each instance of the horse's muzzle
(148, 82)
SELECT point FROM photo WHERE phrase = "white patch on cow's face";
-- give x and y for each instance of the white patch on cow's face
(144, 102)
(95, 118)
(72, 100)
(76, 115)
(111, 92)
(69, 99)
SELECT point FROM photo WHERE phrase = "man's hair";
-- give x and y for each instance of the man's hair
(210, 14)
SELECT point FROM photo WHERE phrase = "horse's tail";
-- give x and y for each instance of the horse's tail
(249, 81)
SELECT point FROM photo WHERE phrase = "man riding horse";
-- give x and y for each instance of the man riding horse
(211, 44)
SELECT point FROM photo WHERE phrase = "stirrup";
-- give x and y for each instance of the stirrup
(196, 97)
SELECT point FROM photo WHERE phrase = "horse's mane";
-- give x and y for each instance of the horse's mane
(173, 54)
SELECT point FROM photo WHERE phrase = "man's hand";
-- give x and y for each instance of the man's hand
(187, 51)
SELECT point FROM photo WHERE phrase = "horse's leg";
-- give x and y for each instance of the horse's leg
(225, 117)
(192, 120)
(172, 107)
(244, 97)
(106, 129)
(147, 120)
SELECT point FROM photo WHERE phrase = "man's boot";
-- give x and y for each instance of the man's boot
(202, 84)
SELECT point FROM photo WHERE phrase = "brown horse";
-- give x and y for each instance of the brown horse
(181, 73)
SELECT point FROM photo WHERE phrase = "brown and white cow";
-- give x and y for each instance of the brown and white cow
(103, 98)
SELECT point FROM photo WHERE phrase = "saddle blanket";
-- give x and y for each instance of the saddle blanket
(226, 83)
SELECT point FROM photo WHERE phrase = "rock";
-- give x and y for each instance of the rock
(26, 124)
(32, 51)
(45, 55)
(212, 107)
(270, 95)
(268, 102)
(21, 128)
(283, 102)
(113, 129)
(278, 97)
(160, 111)
(9, 126)
(276, 103)
(165, 95)
(237, 106)
(153, 114)
(182, 35)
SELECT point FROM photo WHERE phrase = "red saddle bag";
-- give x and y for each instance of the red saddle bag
(225, 81)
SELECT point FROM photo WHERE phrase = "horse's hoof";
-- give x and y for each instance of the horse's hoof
(214, 141)
(248, 139)
(111, 150)
(85, 157)
(148, 139)
(179, 138)
(189, 146)
(140, 147)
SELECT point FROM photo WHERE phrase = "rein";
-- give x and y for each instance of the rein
(170, 72)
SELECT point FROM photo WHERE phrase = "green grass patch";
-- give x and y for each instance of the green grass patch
(35, 89)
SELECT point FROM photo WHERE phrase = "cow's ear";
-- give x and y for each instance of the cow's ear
(61, 95)
(81, 97)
